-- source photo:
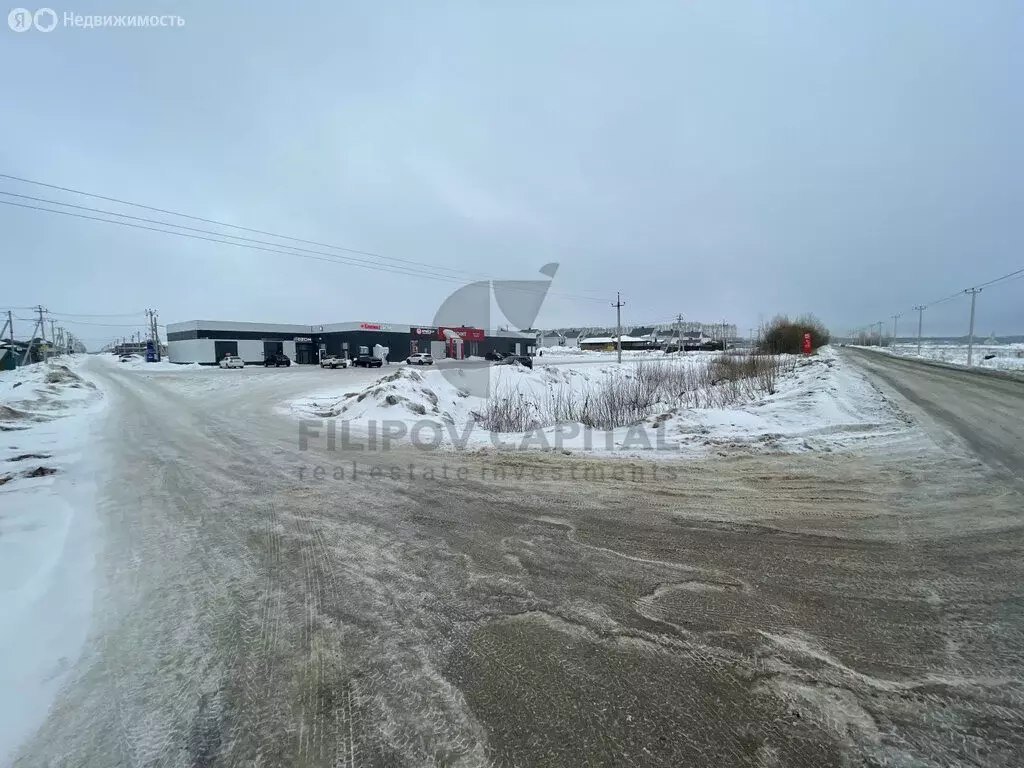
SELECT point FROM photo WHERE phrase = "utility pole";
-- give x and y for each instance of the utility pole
(154, 332)
(895, 318)
(970, 334)
(8, 327)
(679, 332)
(880, 324)
(618, 323)
(920, 322)
(53, 336)
(31, 339)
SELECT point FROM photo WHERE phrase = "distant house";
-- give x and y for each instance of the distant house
(693, 341)
(550, 339)
(608, 343)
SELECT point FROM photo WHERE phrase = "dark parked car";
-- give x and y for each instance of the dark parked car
(513, 359)
(492, 355)
(367, 361)
(277, 359)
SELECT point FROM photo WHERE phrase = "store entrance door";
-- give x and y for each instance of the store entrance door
(305, 353)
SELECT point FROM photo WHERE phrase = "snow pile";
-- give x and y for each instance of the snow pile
(1000, 357)
(137, 363)
(35, 393)
(816, 403)
(48, 412)
(827, 405)
(406, 395)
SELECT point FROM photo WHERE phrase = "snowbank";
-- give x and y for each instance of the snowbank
(822, 405)
(137, 363)
(1001, 357)
(48, 413)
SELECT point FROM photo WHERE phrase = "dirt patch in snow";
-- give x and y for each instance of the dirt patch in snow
(60, 374)
(24, 456)
(40, 472)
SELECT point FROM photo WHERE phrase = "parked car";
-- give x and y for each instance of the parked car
(277, 359)
(232, 361)
(420, 358)
(524, 360)
(334, 362)
(367, 361)
(492, 355)
(126, 358)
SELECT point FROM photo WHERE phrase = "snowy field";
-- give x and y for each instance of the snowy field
(820, 404)
(48, 464)
(1000, 357)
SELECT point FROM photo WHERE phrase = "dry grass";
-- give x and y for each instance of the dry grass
(630, 396)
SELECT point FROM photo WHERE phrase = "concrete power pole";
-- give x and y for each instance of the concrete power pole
(895, 319)
(679, 331)
(920, 322)
(970, 334)
(38, 328)
(154, 332)
(8, 326)
(618, 323)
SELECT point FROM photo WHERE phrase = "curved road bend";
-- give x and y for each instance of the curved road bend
(812, 610)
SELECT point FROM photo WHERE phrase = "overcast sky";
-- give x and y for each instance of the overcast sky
(716, 159)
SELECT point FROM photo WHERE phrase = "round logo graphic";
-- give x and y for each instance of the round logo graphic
(45, 19)
(20, 19)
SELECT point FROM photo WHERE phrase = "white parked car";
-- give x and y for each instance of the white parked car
(232, 361)
(420, 358)
(334, 362)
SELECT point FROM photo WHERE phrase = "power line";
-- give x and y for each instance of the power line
(119, 201)
(303, 252)
(433, 268)
(340, 259)
(104, 325)
(122, 314)
(1000, 279)
(1006, 277)
(328, 257)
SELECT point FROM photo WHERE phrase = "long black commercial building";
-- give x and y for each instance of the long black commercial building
(207, 341)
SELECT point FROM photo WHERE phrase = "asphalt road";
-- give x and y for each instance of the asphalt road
(400, 608)
(986, 410)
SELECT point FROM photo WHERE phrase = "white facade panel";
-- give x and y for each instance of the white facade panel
(251, 352)
(288, 347)
(188, 325)
(363, 325)
(191, 351)
(438, 350)
(249, 327)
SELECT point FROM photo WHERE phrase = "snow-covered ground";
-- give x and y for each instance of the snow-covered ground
(1001, 357)
(823, 404)
(575, 354)
(48, 465)
(136, 363)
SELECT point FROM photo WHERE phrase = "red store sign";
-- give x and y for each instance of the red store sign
(370, 326)
(467, 334)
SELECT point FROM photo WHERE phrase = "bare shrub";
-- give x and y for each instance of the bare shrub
(511, 412)
(630, 396)
(785, 336)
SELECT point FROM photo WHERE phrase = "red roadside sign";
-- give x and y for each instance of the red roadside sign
(807, 343)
